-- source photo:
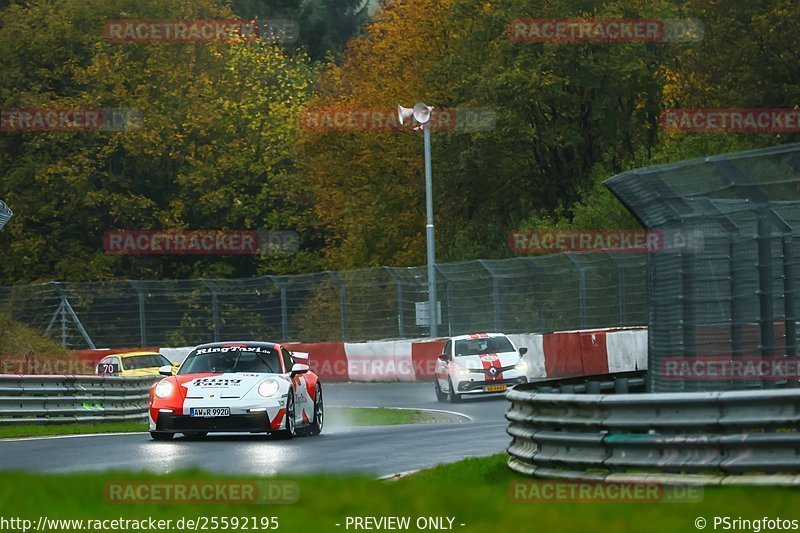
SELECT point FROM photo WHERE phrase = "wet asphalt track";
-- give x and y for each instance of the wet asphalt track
(368, 450)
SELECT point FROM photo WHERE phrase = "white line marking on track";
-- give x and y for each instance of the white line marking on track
(454, 413)
(392, 477)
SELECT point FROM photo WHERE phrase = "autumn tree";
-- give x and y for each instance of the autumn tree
(214, 149)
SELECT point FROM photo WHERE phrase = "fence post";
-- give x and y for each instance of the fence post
(581, 289)
(789, 290)
(621, 294)
(284, 307)
(63, 322)
(530, 264)
(214, 307)
(495, 294)
(65, 308)
(142, 316)
(342, 300)
(448, 294)
(401, 330)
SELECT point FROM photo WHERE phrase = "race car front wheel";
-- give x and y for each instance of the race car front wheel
(291, 422)
(161, 435)
(319, 413)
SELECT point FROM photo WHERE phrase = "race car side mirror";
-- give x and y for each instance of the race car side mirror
(165, 370)
(523, 351)
(298, 368)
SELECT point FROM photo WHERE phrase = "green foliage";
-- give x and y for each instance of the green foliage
(220, 144)
(475, 492)
(214, 150)
(17, 339)
(324, 25)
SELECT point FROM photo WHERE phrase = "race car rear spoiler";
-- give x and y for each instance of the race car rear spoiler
(300, 356)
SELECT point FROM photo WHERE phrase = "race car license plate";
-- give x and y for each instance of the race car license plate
(208, 412)
(495, 388)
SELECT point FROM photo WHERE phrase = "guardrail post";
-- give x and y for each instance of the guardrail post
(400, 318)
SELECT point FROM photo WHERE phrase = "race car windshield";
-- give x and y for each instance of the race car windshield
(144, 361)
(226, 360)
(482, 346)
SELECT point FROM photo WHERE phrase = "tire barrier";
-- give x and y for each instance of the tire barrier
(737, 437)
(69, 399)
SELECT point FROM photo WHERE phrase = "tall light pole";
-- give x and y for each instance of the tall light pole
(422, 115)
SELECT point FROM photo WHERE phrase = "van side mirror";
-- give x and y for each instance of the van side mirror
(523, 351)
(165, 370)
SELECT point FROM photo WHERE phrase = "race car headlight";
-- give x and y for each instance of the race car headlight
(462, 371)
(268, 388)
(522, 366)
(164, 389)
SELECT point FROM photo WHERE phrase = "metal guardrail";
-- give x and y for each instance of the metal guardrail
(616, 383)
(706, 438)
(70, 399)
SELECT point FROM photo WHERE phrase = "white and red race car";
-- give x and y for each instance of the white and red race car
(478, 364)
(253, 387)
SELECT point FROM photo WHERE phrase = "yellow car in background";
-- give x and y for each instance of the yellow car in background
(134, 364)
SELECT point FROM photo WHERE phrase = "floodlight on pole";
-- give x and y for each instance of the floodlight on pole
(422, 115)
(404, 113)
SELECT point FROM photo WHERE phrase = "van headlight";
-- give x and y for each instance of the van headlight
(268, 388)
(522, 367)
(164, 389)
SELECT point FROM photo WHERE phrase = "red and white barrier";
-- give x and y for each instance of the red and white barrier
(561, 354)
